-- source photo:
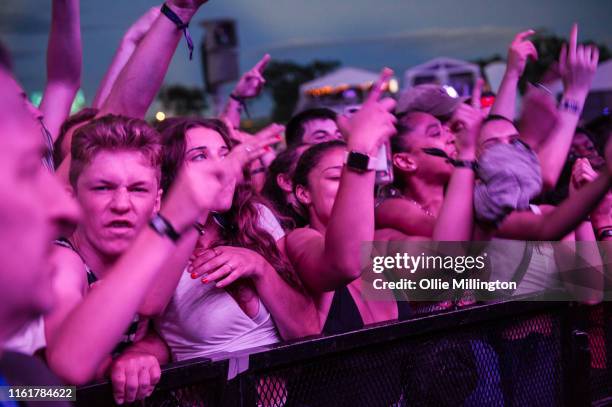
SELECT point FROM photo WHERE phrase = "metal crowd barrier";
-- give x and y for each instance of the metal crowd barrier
(513, 353)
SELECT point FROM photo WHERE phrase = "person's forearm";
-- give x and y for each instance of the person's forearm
(505, 100)
(163, 287)
(573, 210)
(553, 152)
(140, 80)
(94, 327)
(456, 218)
(120, 59)
(351, 223)
(64, 64)
(293, 311)
(232, 111)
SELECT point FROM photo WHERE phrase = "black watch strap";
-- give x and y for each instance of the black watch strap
(473, 165)
(163, 227)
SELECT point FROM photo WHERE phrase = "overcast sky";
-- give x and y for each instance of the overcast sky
(361, 33)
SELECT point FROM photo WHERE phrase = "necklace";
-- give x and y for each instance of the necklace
(428, 213)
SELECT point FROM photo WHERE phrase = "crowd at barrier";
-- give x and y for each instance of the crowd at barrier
(126, 246)
(401, 363)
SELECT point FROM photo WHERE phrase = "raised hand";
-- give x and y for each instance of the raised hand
(198, 184)
(577, 65)
(251, 83)
(255, 146)
(134, 376)
(582, 174)
(137, 31)
(466, 123)
(521, 49)
(373, 124)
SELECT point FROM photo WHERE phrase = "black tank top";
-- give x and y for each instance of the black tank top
(130, 334)
(344, 315)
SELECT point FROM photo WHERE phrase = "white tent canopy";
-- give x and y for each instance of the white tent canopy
(444, 71)
(495, 73)
(312, 93)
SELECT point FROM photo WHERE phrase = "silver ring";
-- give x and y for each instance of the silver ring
(230, 266)
(248, 149)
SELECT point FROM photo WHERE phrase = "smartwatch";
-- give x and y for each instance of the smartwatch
(359, 162)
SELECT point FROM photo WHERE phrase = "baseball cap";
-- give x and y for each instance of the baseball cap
(437, 100)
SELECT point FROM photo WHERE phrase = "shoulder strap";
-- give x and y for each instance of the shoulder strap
(91, 277)
(521, 270)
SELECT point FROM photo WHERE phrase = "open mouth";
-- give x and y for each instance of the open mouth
(120, 224)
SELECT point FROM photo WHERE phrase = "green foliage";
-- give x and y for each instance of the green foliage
(180, 100)
(283, 80)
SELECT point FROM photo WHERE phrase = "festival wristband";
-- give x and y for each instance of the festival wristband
(172, 16)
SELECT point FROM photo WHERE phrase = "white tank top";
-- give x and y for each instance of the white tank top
(201, 320)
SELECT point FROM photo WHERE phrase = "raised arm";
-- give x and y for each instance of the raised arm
(64, 64)
(249, 86)
(133, 36)
(519, 52)
(562, 220)
(327, 261)
(577, 65)
(140, 80)
(456, 218)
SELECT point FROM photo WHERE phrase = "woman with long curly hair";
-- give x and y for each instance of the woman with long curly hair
(238, 291)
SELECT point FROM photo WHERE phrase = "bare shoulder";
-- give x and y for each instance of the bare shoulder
(70, 271)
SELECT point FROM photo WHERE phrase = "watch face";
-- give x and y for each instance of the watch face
(358, 161)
